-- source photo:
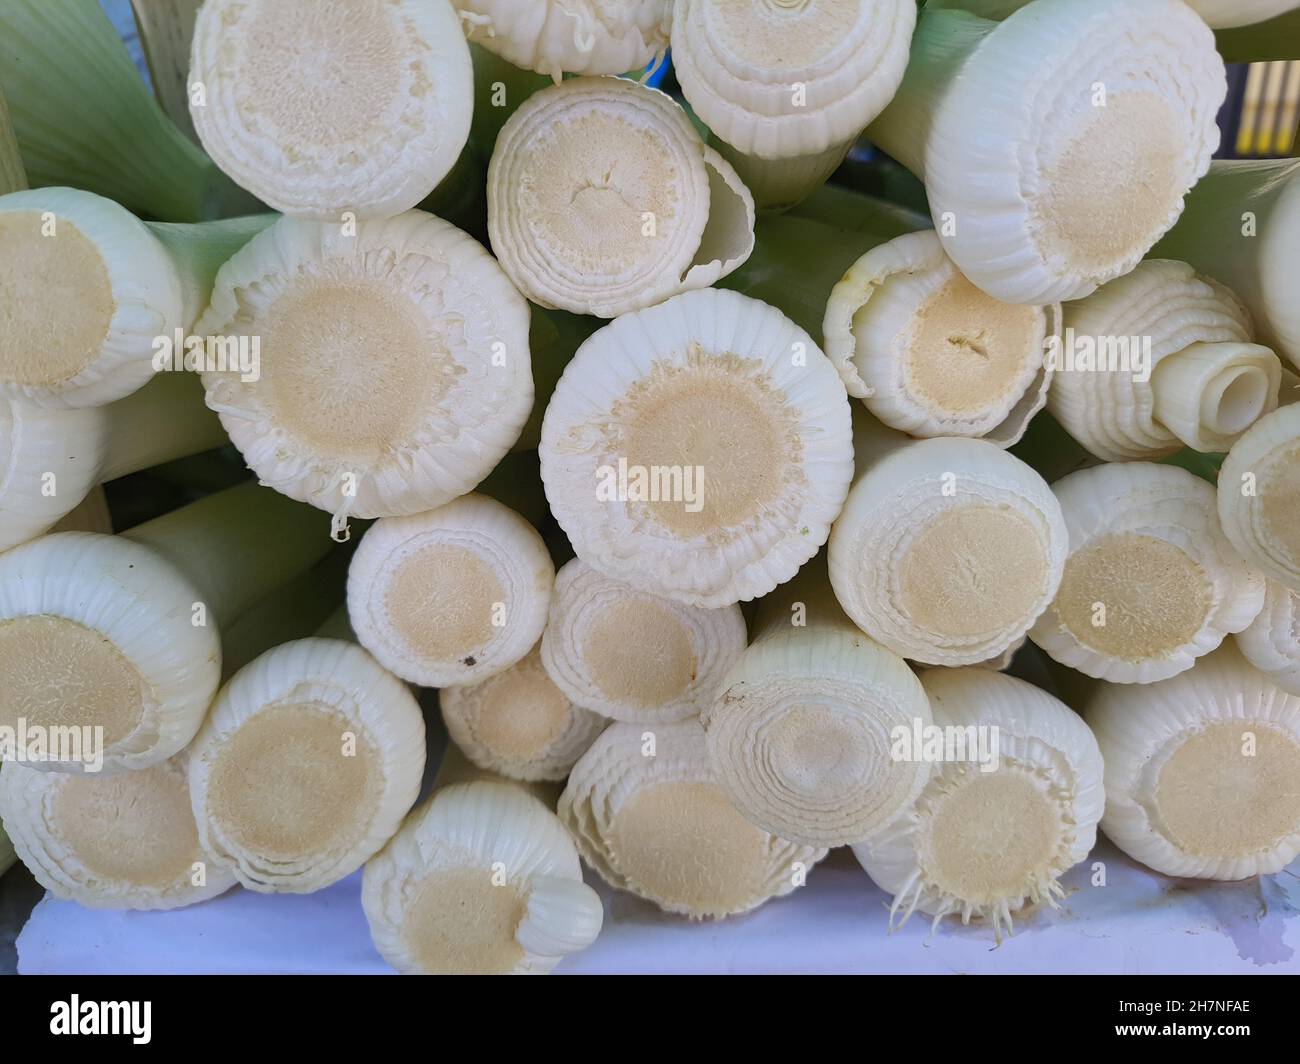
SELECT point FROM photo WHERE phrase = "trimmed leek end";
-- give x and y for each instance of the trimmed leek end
(452, 596)
(932, 355)
(86, 289)
(518, 724)
(630, 655)
(780, 80)
(1082, 171)
(1159, 358)
(1201, 770)
(948, 550)
(1272, 642)
(143, 672)
(801, 733)
(1151, 583)
(560, 37)
(603, 199)
(1259, 496)
(277, 115)
(986, 842)
(118, 842)
(394, 367)
(306, 765)
(1242, 226)
(662, 828)
(698, 450)
(482, 879)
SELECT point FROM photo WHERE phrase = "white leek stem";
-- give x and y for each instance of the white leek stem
(57, 456)
(648, 814)
(358, 739)
(801, 732)
(779, 184)
(1124, 127)
(1201, 770)
(1272, 642)
(1209, 394)
(481, 879)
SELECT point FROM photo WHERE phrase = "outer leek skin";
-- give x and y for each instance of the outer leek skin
(84, 117)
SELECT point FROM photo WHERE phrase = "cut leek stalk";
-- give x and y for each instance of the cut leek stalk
(603, 199)
(1259, 496)
(698, 450)
(1157, 359)
(801, 733)
(647, 813)
(1044, 187)
(325, 110)
(1201, 770)
(1151, 583)
(990, 836)
(629, 655)
(482, 879)
(306, 765)
(1272, 642)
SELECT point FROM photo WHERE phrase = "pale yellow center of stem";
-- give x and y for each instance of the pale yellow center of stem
(56, 301)
(1133, 597)
(460, 922)
(352, 370)
(135, 828)
(973, 569)
(640, 652)
(990, 837)
(1109, 195)
(1231, 790)
(686, 845)
(781, 34)
(290, 785)
(321, 75)
(720, 417)
(969, 353)
(57, 673)
(521, 714)
(441, 600)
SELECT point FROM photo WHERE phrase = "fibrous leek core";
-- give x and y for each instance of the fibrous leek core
(1279, 492)
(973, 569)
(352, 369)
(1229, 790)
(58, 300)
(441, 600)
(305, 53)
(504, 727)
(289, 783)
(461, 922)
(718, 414)
(1134, 597)
(1107, 195)
(777, 34)
(637, 651)
(153, 844)
(988, 840)
(56, 672)
(685, 845)
(968, 371)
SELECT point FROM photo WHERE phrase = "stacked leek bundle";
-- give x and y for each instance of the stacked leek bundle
(722, 381)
